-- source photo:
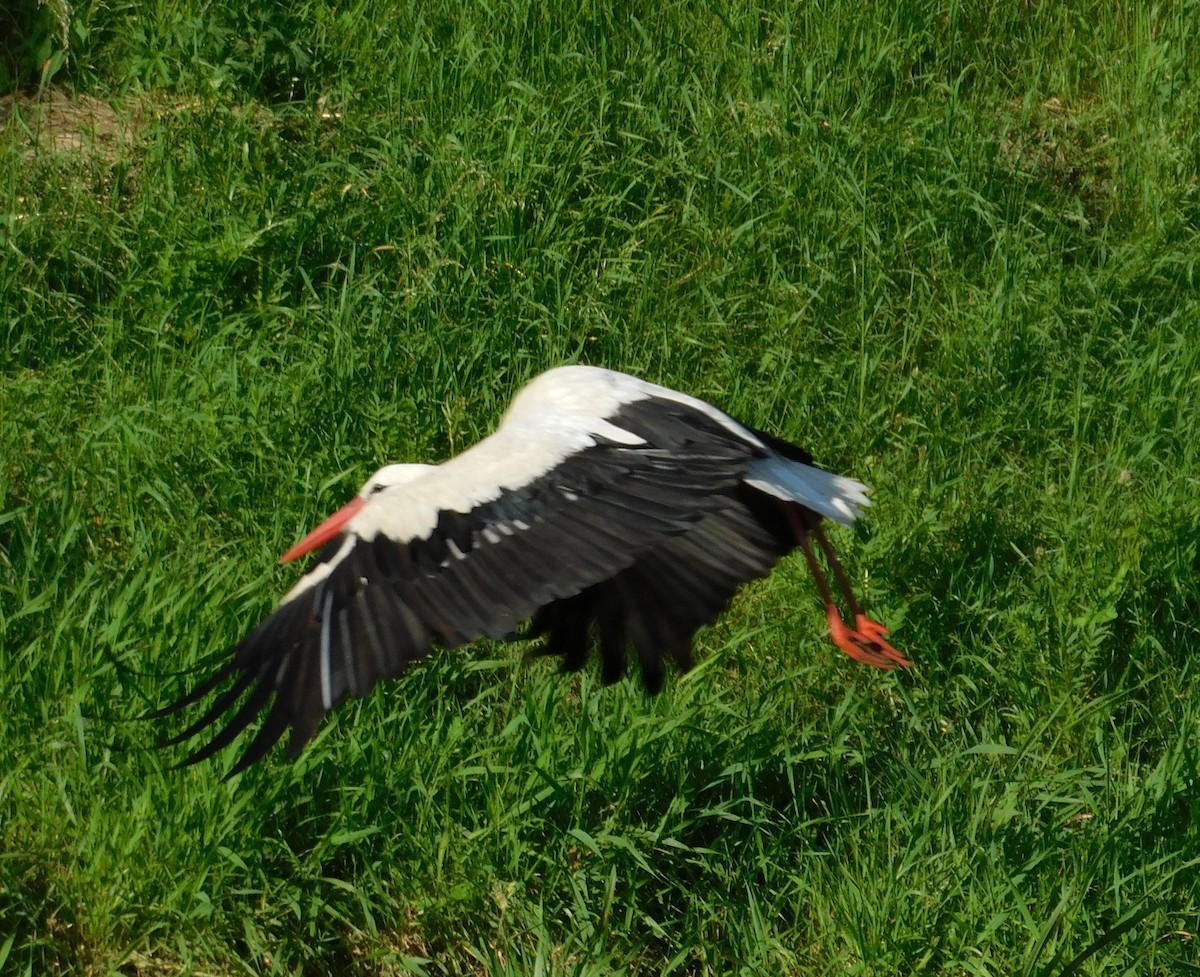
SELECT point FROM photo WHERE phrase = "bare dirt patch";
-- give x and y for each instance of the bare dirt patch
(1055, 144)
(55, 122)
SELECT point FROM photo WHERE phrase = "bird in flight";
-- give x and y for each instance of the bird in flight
(608, 512)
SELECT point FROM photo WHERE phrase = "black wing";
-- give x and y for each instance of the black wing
(479, 574)
(659, 603)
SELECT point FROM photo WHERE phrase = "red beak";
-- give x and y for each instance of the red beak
(326, 531)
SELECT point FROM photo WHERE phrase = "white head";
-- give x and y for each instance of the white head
(387, 477)
(392, 475)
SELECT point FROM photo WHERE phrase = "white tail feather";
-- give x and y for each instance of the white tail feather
(833, 496)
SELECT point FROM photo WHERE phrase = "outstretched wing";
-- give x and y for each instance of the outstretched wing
(377, 602)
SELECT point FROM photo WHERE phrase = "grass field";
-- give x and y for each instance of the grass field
(951, 248)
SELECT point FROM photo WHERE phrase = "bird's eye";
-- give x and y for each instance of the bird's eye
(376, 489)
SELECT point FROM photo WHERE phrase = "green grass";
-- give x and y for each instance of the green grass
(952, 249)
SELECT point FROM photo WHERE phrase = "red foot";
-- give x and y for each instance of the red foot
(865, 641)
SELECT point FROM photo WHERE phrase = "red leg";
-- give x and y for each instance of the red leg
(870, 631)
(865, 641)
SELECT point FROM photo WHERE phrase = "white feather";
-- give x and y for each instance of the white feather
(558, 414)
(834, 496)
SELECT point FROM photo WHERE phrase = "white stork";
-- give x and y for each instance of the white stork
(602, 506)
